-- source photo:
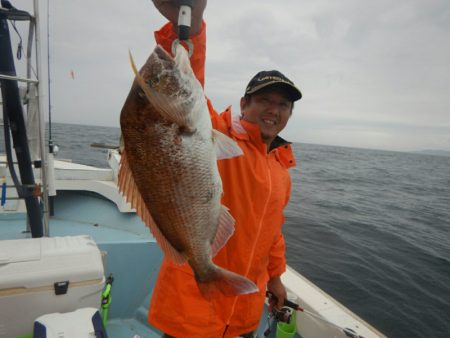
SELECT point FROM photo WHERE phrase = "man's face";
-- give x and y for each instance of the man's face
(270, 108)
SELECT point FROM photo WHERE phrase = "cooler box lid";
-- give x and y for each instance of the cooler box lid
(39, 262)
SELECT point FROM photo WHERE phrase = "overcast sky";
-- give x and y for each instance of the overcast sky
(374, 74)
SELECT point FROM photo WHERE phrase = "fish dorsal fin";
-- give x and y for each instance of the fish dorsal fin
(225, 146)
(129, 189)
(224, 231)
(170, 108)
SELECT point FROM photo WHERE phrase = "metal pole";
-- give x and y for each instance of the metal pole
(12, 108)
(42, 105)
(16, 78)
(30, 48)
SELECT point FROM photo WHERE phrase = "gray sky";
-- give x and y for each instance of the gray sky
(374, 74)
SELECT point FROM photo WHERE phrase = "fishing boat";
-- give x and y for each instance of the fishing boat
(70, 243)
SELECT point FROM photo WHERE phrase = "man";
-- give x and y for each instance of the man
(256, 190)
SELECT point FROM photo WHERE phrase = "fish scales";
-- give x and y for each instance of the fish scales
(178, 190)
(169, 169)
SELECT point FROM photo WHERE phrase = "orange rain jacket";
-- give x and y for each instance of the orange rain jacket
(256, 190)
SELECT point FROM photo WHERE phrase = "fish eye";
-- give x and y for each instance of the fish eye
(141, 93)
(153, 82)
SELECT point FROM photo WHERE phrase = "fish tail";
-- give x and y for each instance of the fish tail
(230, 284)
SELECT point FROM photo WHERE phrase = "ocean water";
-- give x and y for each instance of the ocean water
(371, 228)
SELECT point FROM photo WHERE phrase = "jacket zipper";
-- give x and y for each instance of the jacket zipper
(254, 243)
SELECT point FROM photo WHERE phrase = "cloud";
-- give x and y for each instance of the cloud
(372, 73)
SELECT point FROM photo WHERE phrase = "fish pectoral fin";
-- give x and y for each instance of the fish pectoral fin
(224, 231)
(128, 187)
(170, 108)
(225, 146)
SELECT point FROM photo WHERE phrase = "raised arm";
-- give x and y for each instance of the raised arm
(168, 33)
(170, 10)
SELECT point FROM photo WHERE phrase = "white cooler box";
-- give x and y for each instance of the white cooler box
(82, 323)
(46, 275)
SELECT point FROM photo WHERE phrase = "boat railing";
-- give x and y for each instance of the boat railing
(17, 78)
(15, 128)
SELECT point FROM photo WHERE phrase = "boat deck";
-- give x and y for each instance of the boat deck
(123, 239)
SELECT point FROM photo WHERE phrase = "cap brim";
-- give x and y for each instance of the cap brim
(294, 93)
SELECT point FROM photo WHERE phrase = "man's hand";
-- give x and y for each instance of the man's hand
(170, 10)
(275, 286)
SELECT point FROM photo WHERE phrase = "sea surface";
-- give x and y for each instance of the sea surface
(371, 228)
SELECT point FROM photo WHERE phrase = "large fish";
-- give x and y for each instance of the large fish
(169, 171)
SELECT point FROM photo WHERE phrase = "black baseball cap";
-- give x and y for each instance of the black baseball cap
(267, 78)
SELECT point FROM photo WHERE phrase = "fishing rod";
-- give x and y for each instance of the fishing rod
(284, 316)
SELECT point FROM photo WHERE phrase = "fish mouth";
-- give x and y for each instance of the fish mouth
(162, 60)
(162, 54)
(163, 75)
(159, 69)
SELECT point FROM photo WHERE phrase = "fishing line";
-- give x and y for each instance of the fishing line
(50, 141)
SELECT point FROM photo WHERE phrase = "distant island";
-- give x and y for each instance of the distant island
(434, 152)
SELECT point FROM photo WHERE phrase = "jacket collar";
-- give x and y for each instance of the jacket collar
(250, 132)
(278, 142)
